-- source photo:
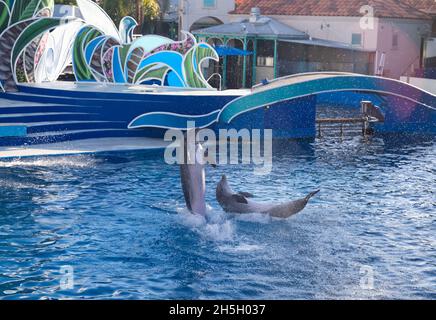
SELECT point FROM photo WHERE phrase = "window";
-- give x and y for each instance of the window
(265, 61)
(395, 41)
(209, 3)
(356, 39)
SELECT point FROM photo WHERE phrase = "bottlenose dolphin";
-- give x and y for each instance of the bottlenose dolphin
(193, 178)
(240, 202)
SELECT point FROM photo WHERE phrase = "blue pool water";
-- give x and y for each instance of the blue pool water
(117, 221)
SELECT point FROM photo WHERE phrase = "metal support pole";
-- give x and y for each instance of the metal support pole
(225, 66)
(253, 73)
(275, 58)
(364, 105)
(244, 66)
(225, 72)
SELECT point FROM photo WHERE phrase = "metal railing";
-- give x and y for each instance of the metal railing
(369, 113)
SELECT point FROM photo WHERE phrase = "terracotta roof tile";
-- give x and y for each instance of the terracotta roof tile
(428, 6)
(382, 8)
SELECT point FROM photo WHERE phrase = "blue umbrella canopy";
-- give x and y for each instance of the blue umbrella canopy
(231, 51)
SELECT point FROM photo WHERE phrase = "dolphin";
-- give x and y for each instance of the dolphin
(240, 203)
(193, 178)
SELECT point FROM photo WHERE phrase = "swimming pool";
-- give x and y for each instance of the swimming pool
(117, 222)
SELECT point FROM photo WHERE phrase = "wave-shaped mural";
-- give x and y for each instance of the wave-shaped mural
(103, 53)
(168, 120)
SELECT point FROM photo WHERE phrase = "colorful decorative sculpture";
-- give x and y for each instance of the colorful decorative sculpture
(34, 47)
(24, 27)
(104, 54)
(56, 53)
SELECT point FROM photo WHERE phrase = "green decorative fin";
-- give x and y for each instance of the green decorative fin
(26, 9)
(17, 10)
(4, 14)
(140, 73)
(29, 10)
(81, 69)
(192, 65)
(158, 74)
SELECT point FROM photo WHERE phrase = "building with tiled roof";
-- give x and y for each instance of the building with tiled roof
(395, 30)
(338, 8)
(427, 6)
(343, 8)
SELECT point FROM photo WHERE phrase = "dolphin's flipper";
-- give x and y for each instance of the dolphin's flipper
(206, 155)
(239, 198)
(246, 194)
(310, 195)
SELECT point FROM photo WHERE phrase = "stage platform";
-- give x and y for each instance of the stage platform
(88, 146)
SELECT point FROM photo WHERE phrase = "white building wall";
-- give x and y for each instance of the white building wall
(399, 61)
(264, 73)
(430, 49)
(424, 84)
(405, 58)
(193, 10)
(329, 28)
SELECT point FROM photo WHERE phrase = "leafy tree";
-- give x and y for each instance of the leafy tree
(164, 5)
(69, 2)
(117, 9)
(143, 10)
(149, 13)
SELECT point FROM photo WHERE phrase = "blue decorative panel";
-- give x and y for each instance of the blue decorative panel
(13, 131)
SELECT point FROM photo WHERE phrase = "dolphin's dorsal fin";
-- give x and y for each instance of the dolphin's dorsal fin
(239, 198)
(246, 194)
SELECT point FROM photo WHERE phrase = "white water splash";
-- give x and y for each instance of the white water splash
(240, 248)
(11, 184)
(81, 161)
(254, 217)
(214, 226)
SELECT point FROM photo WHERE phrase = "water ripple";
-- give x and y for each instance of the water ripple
(118, 222)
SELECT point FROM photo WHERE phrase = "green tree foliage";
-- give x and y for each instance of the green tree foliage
(152, 13)
(141, 10)
(69, 2)
(117, 9)
(148, 13)
(151, 9)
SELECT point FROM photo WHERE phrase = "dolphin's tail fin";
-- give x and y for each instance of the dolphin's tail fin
(312, 194)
